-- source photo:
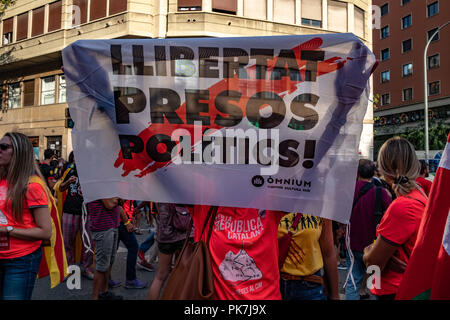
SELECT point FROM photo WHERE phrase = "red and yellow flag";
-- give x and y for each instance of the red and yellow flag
(54, 262)
(427, 275)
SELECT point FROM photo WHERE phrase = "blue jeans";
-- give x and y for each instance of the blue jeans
(18, 275)
(301, 290)
(147, 244)
(132, 245)
(358, 272)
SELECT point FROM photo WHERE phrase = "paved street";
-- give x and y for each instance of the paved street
(42, 289)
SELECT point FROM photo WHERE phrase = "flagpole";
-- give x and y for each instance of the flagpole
(425, 84)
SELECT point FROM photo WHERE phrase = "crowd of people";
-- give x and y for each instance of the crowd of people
(389, 201)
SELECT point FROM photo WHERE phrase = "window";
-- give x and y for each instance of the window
(255, 9)
(406, 45)
(54, 12)
(405, 2)
(62, 89)
(434, 61)
(407, 69)
(434, 88)
(48, 90)
(98, 9)
(385, 99)
(431, 32)
(13, 95)
(310, 22)
(432, 9)
(384, 54)
(407, 94)
(22, 26)
(283, 10)
(117, 6)
(406, 21)
(83, 7)
(8, 31)
(189, 5)
(311, 12)
(384, 9)
(384, 32)
(38, 21)
(230, 6)
(337, 16)
(385, 76)
(28, 93)
(359, 22)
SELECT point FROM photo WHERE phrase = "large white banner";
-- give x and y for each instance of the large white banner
(260, 122)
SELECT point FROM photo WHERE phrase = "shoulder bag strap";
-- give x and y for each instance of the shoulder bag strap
(362, 192)
(211, 223)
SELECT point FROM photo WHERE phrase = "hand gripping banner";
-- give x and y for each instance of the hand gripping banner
(259, 122)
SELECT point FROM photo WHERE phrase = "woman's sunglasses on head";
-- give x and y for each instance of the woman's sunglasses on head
(4, 146)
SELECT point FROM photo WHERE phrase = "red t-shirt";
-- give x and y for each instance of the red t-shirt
(11, 247)
(128, 208)
(399, 227)
(244, 252)
(425, 184)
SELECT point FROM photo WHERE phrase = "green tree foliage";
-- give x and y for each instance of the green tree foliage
(5, 4)
(437, 137)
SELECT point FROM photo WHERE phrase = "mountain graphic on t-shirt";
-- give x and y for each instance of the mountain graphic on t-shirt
(239, 267)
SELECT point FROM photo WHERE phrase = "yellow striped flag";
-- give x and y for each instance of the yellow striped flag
(54, 262)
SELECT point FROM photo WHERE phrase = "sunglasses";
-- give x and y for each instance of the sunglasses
(4, 146)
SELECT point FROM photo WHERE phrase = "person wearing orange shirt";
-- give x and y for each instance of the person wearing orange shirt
(24, 218)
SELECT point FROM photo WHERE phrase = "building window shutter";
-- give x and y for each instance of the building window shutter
(83, 5)
(256, 9)
(359, 22)
(8, 31)
(116, 6)
(225, 6)
(284, 11)
(189, 5)
(22, 26)
(38, 21)
(98, 9)
(337, 16)
(28, 93)
(54, 21)
(312, 9)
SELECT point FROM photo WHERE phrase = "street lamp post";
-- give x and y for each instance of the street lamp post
(425, 84)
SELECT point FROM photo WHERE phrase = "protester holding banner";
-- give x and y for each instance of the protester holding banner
(24, 218)
(244, 252)
(105, 215)
(128, 238)
(368, 206)
(72, 222)
(397, 231)
(170, 239)
(310, 250)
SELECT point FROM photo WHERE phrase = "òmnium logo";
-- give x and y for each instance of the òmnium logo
(258, 181)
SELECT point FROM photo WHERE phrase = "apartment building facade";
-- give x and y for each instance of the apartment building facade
(35, 32)
(399, 44)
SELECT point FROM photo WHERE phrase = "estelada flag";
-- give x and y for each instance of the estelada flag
(54, 262)
(427, 275)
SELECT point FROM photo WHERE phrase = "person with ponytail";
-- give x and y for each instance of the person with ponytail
(24, 218)
(397, 231)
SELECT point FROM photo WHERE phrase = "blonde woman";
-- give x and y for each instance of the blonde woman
(24, 218)
(397, 231)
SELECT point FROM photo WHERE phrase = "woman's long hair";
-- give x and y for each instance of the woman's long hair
(19, 171)
(397, 161)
